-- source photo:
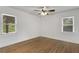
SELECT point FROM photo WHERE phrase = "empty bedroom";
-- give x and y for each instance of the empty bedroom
(39, 29)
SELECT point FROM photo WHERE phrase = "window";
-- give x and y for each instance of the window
(8, 23)
(68, 23)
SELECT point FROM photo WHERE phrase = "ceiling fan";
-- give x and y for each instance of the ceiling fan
(44, 11)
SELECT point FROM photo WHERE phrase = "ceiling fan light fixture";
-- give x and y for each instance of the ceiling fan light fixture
(44, 13)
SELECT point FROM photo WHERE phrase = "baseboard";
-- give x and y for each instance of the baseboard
(24, 39)
(51, 37)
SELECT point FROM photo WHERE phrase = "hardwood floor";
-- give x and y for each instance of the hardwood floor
(42, 45)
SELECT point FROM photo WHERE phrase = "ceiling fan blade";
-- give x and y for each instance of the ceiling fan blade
(51, 10)
(36, 10)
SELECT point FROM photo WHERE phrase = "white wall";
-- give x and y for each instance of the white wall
(27, 27)
(51, 26)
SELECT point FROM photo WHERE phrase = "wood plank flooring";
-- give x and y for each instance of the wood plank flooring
(41, 45)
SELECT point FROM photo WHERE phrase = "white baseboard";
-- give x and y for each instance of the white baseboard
(24, 39)
(57, 38)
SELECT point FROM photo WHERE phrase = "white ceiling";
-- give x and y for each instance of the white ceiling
(30, 9)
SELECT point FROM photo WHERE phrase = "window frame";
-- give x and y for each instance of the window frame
(72, 24)
(14, 24)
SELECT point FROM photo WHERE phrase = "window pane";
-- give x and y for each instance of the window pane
(68, 21)
(5, 24)
(11, 24)
(11, 27)
(68, 28)
(4, 27)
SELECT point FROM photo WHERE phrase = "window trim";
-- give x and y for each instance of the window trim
(2, 23)
(72, 24)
